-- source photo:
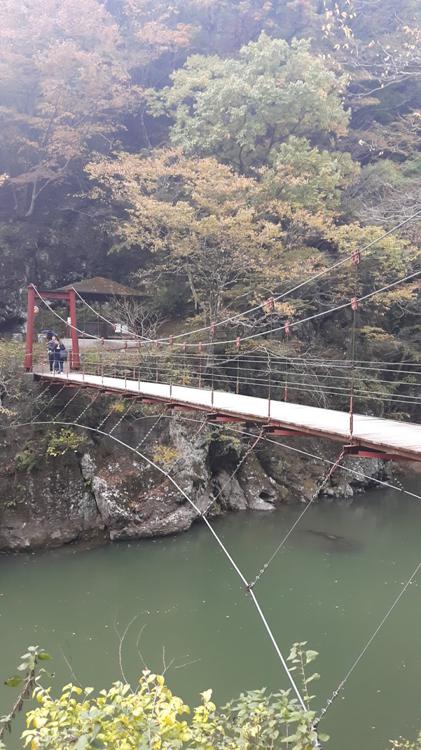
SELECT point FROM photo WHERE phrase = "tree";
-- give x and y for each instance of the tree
(63, 84)
(388, 192)
(139, 318)
(307, 176)
(381, 45)
(379, 48)
(240, 109)
(196, 218)
(71, 76)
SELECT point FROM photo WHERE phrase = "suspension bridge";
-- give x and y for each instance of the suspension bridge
(231, 383)
(241, 379)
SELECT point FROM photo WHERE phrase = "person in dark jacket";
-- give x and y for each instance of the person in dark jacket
(50, 351)
(50, 335)
(60, 354)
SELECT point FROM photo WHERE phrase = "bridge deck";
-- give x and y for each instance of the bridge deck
(399, 438)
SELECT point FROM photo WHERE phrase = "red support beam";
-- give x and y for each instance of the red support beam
(68, 296)
(30, 316)
(283, 432)
(361, 452)
(74, 356)
(54, 295)
(279, 430)
(225, 419)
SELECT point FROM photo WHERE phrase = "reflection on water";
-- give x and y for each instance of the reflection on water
(330, 585)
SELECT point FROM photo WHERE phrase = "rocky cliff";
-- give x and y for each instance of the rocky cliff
(61, 484)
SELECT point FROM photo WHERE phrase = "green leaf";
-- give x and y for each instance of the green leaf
(314, 676)
(43, 656)
(13, 681)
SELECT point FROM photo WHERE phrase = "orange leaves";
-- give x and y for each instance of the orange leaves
(160, 38)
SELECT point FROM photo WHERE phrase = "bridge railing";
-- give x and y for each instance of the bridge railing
(387, 388)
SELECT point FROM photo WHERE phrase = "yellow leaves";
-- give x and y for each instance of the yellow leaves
(206, 696)
(118, 407)
(286, 309)
(151, 717)
(58, 444)
(183, 205)
(38, 722)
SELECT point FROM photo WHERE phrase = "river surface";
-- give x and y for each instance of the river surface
(193, 618)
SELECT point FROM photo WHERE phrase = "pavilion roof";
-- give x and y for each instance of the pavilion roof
(100, 287)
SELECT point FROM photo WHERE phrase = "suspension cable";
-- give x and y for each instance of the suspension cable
(42, 392)
(107, 416)
(99, 315)
(217, 539)
(275, 297)
(91, 403)
(355, 663)
(149, 432)
(253, 336)
(333, 465)
(314, 496)
(72, 398)
(321, 314)
(355, 472)
(69, 325)
(355, 258)
(49, 403)
(123, 416)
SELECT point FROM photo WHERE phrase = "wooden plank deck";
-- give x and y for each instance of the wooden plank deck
(402, 439)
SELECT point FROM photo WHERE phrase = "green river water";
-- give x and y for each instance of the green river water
(192, 613)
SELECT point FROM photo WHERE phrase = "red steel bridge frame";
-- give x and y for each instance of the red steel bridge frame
(69, 297)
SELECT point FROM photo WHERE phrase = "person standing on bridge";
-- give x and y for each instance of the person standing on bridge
(50, 351)
(60, 354)
(50, 335)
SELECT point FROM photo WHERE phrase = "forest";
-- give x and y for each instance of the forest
(211, 153)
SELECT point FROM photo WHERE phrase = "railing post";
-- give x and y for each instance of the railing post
(238, 347)
(200, 363)
(29, 328)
